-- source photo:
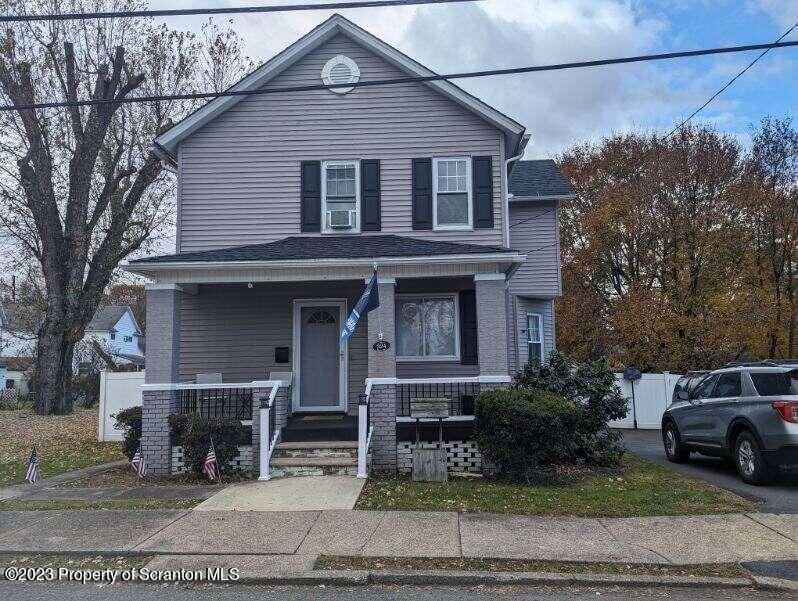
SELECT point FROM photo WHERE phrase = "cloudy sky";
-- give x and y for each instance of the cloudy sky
(567, 107)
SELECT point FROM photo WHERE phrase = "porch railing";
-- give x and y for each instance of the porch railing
(230, 401)
(269, 432)
(364, 432)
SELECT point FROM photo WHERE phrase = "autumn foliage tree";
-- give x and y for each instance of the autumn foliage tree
(81, 187)
(681, 253)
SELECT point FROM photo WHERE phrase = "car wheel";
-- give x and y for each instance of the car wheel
(749, 461)
(674, 449)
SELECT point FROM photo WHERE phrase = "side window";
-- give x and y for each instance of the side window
(535, 338)
(704, 389)
(729, 385)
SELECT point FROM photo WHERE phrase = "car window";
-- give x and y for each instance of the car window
(772, 383)
(728, 385)
(704, 389)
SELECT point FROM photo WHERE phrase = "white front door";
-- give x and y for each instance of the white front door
(319, 357)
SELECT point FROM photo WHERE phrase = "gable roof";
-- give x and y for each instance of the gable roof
(329, 247)
(540, 179)
(168, 141)
(106, 318)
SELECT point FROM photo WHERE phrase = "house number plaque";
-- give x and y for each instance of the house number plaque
(381, 345)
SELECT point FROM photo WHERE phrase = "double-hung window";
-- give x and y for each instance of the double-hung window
(452, 196)
(340, 196)
(427, 328)
(534, 337)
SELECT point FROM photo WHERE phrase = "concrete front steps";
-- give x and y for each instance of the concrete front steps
(315, 458)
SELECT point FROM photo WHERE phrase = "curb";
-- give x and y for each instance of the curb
(775, 584)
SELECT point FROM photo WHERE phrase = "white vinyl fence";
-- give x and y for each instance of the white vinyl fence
(652, 394)
(118, 390)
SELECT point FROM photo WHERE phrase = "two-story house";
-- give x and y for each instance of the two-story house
(289, 197)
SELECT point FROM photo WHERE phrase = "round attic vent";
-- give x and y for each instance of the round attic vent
(340, 70)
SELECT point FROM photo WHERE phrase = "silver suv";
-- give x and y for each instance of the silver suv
(747, 413)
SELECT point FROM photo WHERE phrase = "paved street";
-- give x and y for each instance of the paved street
(779, 497)
(131, 592)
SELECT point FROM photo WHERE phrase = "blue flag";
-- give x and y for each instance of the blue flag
(368, 302)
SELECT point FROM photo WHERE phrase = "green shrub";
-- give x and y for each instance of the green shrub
(194, 434)
(12, 400)
(592, 386)
(129, 420)
(525, 432)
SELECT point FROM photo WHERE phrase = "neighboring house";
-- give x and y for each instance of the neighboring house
(17, 371)
(114, 327)
(117, 330)
(285, 203)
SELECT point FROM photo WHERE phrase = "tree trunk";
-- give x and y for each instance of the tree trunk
(54, 355)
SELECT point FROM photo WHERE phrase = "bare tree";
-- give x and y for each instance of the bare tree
(80, 186)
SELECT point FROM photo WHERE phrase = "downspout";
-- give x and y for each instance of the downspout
(521, 147)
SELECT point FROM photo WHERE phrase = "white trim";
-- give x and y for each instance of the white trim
(161, 286)
(333, 26)
(485, 277)
(461, 380)
(382, 280)
(325, 229)
(145, 267)
(343, 353)
(437, 358)
(451, 418)
(515, 199)
(469, 193)
(192, 386)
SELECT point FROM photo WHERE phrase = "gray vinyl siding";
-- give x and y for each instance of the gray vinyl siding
(234, 330)
(240, 173)
(537, 235)
(521, 307)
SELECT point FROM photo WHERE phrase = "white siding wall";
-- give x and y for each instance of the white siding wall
(523, 306)
(239, 174)
(534, 230)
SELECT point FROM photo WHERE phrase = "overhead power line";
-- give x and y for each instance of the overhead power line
(221, 11)
(409, 79)
(729, 83)
(695, 112)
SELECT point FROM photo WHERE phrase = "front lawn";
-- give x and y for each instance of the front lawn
(640, 488)
(63, 443)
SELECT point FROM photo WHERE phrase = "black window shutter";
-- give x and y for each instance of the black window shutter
(311, 196)
(469, 353)
(370, 212)
(422, 194)
(483, 191)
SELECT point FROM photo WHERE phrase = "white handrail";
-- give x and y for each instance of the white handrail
(211, 386)
(364, 432)
(268, 440)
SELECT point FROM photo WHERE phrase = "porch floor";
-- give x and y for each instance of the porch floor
(315, 427)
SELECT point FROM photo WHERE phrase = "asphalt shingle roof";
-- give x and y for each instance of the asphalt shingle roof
(106, 318)
(330, 247)
(538, 178)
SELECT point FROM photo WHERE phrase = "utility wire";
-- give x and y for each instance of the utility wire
(698, 110)
(221, 11)
(729, 83)
(403, 80)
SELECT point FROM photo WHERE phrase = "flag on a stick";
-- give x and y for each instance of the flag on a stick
(211, 466)
(369, 300)
(33, 467)
(138, 464)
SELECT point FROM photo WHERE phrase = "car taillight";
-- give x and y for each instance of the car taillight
(788, 410)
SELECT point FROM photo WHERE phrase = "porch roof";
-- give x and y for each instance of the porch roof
(330, 247)
(306, 257)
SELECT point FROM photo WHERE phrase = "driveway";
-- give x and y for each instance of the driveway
(778, 497)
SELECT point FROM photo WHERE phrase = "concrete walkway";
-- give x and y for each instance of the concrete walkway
(305, 534)
(309, 493)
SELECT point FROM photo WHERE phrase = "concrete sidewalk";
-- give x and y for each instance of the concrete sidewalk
(305, 534)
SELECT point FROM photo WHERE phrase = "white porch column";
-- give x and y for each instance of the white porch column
(491, 290)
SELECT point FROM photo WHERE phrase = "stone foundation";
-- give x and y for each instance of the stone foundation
(241, 462)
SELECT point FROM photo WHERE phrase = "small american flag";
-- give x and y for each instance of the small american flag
(33, 467)
(211, 466)
(138, 464)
